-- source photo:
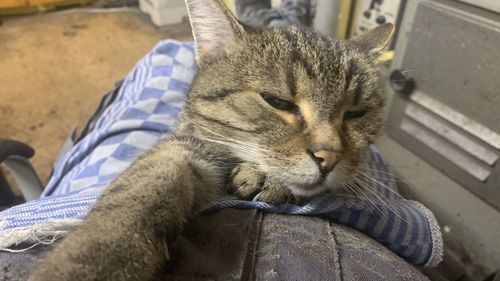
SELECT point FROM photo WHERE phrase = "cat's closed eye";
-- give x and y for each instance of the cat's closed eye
(278, 103)
(355, 114)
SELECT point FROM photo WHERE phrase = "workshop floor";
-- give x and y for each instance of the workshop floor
(55, 67)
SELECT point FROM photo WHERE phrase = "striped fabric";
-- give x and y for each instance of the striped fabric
(146, 109)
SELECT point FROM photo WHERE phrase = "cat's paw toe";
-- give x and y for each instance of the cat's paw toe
(249, 184)
(274, 193)
(246, 182)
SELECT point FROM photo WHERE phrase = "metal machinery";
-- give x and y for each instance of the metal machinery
(443, 129)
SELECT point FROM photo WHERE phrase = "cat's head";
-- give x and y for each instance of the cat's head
(300, 106)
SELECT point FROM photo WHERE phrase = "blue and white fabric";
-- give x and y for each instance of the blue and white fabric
(145, 110)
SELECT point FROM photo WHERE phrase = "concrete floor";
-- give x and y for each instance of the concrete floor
(55, 67)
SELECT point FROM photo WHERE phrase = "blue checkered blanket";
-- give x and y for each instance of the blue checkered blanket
(146, 109)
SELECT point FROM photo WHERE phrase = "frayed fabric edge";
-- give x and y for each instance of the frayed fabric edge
(436, 236)
(46, 232)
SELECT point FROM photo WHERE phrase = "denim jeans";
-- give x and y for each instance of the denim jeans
(235, 244)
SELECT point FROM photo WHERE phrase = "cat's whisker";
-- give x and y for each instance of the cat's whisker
(379, 198)
(383, 185)
(396, 177)
(240, 147)
(353, 185)
(220, 135)
(223, 141)
(253, 145)
(391, 209)
(359, 191)
(248, 154)
(367, 184)
(403, 167)
(376, 170)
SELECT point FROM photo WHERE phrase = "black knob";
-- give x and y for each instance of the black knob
(380, 19)
(401, 83)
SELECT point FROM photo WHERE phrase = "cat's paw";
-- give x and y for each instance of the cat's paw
(274, 193)
(250, 184)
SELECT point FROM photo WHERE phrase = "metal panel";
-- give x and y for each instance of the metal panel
(451, 51)
(464, 142)
(493, 5)
(444, 149)
(466, 123)
(454, 58)
(460, 94)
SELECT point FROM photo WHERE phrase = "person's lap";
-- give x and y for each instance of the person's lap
(236, 244)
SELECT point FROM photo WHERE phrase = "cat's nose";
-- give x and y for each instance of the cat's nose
(326, 159)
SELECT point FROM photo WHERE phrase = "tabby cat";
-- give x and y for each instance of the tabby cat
(279, 113)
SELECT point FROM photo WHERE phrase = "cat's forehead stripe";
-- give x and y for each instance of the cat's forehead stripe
(218, 94)
(290, 79)
(300, 51)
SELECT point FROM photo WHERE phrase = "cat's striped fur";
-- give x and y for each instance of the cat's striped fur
(262, 105)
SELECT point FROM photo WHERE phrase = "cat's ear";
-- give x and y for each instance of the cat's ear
(375, 40)
(215, 29)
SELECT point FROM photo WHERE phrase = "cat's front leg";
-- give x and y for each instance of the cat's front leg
(126, 236)
(248, 183)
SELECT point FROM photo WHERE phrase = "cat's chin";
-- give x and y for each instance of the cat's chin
(309, 190)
